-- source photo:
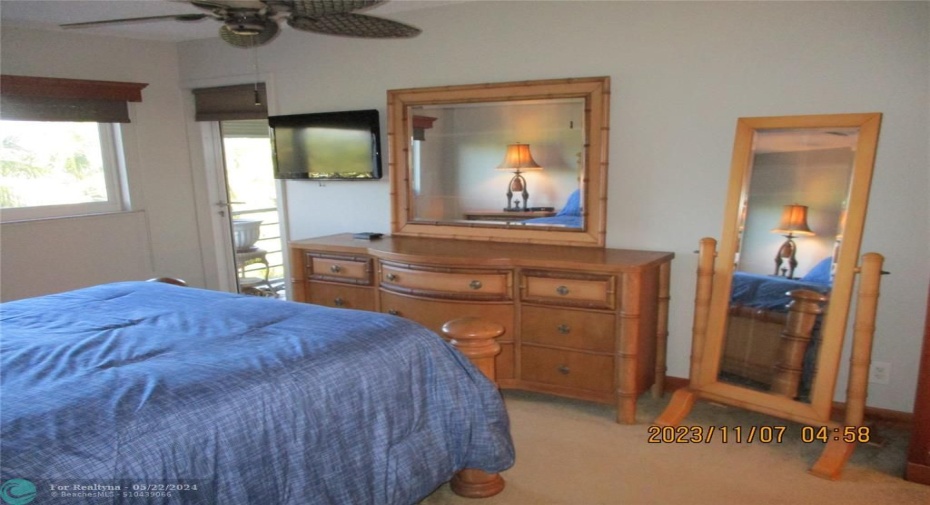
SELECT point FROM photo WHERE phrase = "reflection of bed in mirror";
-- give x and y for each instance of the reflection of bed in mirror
(569, 216)
(758, 317)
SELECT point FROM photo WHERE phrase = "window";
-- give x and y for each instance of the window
(61, 151)
(53, 169)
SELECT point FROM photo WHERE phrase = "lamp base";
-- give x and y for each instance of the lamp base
(786, 254)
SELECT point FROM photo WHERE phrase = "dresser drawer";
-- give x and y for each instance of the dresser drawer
(569, 289)
(574, 370)
(434, 313)
(568, 328)
(338, 268)
(341, 296)
(462, 284)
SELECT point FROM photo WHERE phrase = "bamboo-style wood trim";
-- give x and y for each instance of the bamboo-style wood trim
(834, 321)
(627, 370)
(298, 275)
(838, 451)
(863, 334)
(595, 91)
(664, 296)
(702, 298)
(49, 87)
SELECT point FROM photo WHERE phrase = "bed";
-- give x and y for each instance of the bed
(759, 312)
(569, 216)
(152, 389)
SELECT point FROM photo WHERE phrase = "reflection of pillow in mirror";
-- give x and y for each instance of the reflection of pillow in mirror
(573, 205)
(820, 273)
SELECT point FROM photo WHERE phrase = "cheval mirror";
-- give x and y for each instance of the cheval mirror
(512, 162)
(772, 305)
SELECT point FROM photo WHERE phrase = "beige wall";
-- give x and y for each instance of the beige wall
(163, 237)
(682, 73)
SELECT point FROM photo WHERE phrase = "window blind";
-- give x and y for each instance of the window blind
(27, 98)
(227, 103)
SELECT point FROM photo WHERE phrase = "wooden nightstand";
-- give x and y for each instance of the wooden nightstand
(500, 215)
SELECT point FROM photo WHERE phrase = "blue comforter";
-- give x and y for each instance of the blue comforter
(768, 292)
(136, 391)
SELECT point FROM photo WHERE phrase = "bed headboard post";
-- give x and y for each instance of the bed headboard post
(476, 339)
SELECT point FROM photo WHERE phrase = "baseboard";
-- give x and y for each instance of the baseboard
(872, 414)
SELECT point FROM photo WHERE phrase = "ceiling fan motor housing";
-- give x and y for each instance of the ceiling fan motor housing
(246, 24)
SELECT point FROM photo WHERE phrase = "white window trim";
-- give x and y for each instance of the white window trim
(114, 169)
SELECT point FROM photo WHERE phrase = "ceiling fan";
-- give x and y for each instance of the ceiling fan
(250, 23)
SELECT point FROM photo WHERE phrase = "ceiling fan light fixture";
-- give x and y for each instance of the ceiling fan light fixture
(249, 38)
(246, 26)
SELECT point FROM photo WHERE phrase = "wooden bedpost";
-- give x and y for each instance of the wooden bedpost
(803, 310)
(475, 338)
(169, 280)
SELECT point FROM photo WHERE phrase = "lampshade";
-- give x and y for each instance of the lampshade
(793, 221)
(518, 157)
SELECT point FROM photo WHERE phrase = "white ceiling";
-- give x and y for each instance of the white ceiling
(48, 14)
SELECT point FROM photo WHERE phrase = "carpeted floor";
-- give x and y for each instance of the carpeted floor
(571, 452)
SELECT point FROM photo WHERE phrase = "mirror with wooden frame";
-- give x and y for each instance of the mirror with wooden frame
(772, 303)
(511, 162)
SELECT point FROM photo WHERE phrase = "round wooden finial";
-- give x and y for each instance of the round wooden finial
(473, 336)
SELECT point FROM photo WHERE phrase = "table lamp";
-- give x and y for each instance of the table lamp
(518, 159)
(793, 223)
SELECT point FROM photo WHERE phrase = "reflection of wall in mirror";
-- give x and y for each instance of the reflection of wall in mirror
(466, 144)
(818, 179)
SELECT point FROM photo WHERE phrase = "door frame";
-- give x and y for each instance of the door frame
(210, 187)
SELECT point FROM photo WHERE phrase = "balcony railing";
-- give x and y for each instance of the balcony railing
(270, 241)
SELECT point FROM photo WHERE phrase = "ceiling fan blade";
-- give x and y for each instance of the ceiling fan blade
(269, 32)
(176, 17)
(354, 25)
(319, 8)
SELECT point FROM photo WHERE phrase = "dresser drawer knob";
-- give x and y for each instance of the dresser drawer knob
(339, 302)
(564, 370)
(335, 269)
(475, 284)
(564, 329)
(394, 312)
(391, 277)
(562, 290)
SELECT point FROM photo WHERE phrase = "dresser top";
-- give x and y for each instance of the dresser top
(481, 253)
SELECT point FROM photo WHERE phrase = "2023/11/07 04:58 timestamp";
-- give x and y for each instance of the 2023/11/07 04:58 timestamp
(824, 434)
(754, 434)
(722, 434)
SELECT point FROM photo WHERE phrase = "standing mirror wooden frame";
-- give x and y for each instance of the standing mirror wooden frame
(777, 162)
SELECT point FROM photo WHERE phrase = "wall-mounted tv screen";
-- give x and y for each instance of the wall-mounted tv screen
(342, 145)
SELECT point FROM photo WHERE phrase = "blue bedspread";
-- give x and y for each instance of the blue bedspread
(251, 400)
(566, 221)
(768, 292)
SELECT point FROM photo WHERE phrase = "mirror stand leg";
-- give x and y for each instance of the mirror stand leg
(683, 399)
(678, 408)
(833, 459)
(837, 452)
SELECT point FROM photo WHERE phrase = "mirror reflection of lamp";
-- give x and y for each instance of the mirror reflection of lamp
(793, 223)
(519, 159)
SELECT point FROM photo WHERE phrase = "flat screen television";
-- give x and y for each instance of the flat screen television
(342, 145)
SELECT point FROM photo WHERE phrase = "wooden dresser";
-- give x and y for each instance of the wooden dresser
(580, 322)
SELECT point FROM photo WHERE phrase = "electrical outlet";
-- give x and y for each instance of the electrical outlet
(880, 372)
